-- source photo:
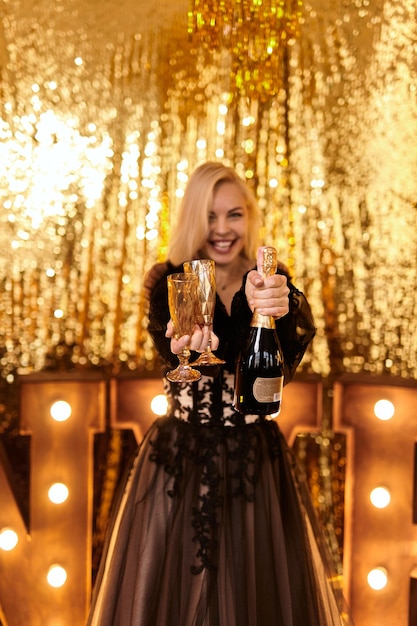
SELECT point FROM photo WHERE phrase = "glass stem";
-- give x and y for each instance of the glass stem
(184, 357)
(208, 349)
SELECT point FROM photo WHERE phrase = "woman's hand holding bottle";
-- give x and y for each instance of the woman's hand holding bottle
(268, 295)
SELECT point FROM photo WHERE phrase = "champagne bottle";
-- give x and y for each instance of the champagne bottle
(259, 374)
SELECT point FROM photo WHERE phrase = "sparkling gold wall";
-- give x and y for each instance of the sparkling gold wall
(104, 112)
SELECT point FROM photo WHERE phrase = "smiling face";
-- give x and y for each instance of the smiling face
(228, 225)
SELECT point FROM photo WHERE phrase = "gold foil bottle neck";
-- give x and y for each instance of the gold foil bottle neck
(262, 321)
(267, 261)
(267, 266)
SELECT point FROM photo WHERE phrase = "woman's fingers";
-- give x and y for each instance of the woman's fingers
(214, 341)
(180, 344)
(198, 341)
(170, 329)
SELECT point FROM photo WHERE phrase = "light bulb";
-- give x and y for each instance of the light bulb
(378, 578)
(384, 410)
(60, 411)
(159, 404)
(56, 576)
(380, 497)
(8, 539)
(58, 493)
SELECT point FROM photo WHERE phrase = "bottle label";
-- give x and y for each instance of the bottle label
(268, 389)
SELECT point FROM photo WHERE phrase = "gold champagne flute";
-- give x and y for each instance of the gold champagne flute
(204, 269)
(182, 297)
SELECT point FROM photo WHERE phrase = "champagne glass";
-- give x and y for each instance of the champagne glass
(182, 297)
(204, 269)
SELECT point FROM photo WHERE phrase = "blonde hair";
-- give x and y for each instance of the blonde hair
(192, 227)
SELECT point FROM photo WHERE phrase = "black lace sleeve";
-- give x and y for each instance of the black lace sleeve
(295, 330)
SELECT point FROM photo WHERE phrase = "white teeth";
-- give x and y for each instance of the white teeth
(222, 244)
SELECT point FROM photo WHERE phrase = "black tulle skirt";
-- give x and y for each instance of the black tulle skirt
(211, 529)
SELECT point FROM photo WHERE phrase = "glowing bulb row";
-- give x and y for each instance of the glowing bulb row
(58, 492)
(380, 497)
(61, 410)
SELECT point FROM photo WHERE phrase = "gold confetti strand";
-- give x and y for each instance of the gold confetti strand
(4, 316)
(82, 324)
(143, 307)
(31, 314)
(118, 310)
(143, 304)
(329, 298)
(164, 228)
(142, 337)
(62, 297)
(7, 323)
(137, 267)
(18, 307)
(252, 142)
(143, 311)
(21, 311)
(43, 312)
(19, 316)
(12, 314)
(69, 275)
(286, 168)
(27, 319)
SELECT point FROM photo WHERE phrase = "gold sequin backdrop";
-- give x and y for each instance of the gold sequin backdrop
(107, 107)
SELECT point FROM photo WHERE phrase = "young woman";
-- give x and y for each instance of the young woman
(212, 527)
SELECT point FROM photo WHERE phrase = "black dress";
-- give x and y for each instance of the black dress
(212, 528)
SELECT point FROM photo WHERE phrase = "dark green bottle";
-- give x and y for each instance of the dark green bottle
(259, 376)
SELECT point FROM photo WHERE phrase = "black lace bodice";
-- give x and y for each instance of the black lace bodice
(203, 431)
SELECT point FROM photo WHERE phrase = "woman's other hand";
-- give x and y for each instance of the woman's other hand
(269, 296)
(197, 342)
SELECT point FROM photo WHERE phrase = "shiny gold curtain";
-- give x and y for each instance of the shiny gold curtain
(105, 111)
